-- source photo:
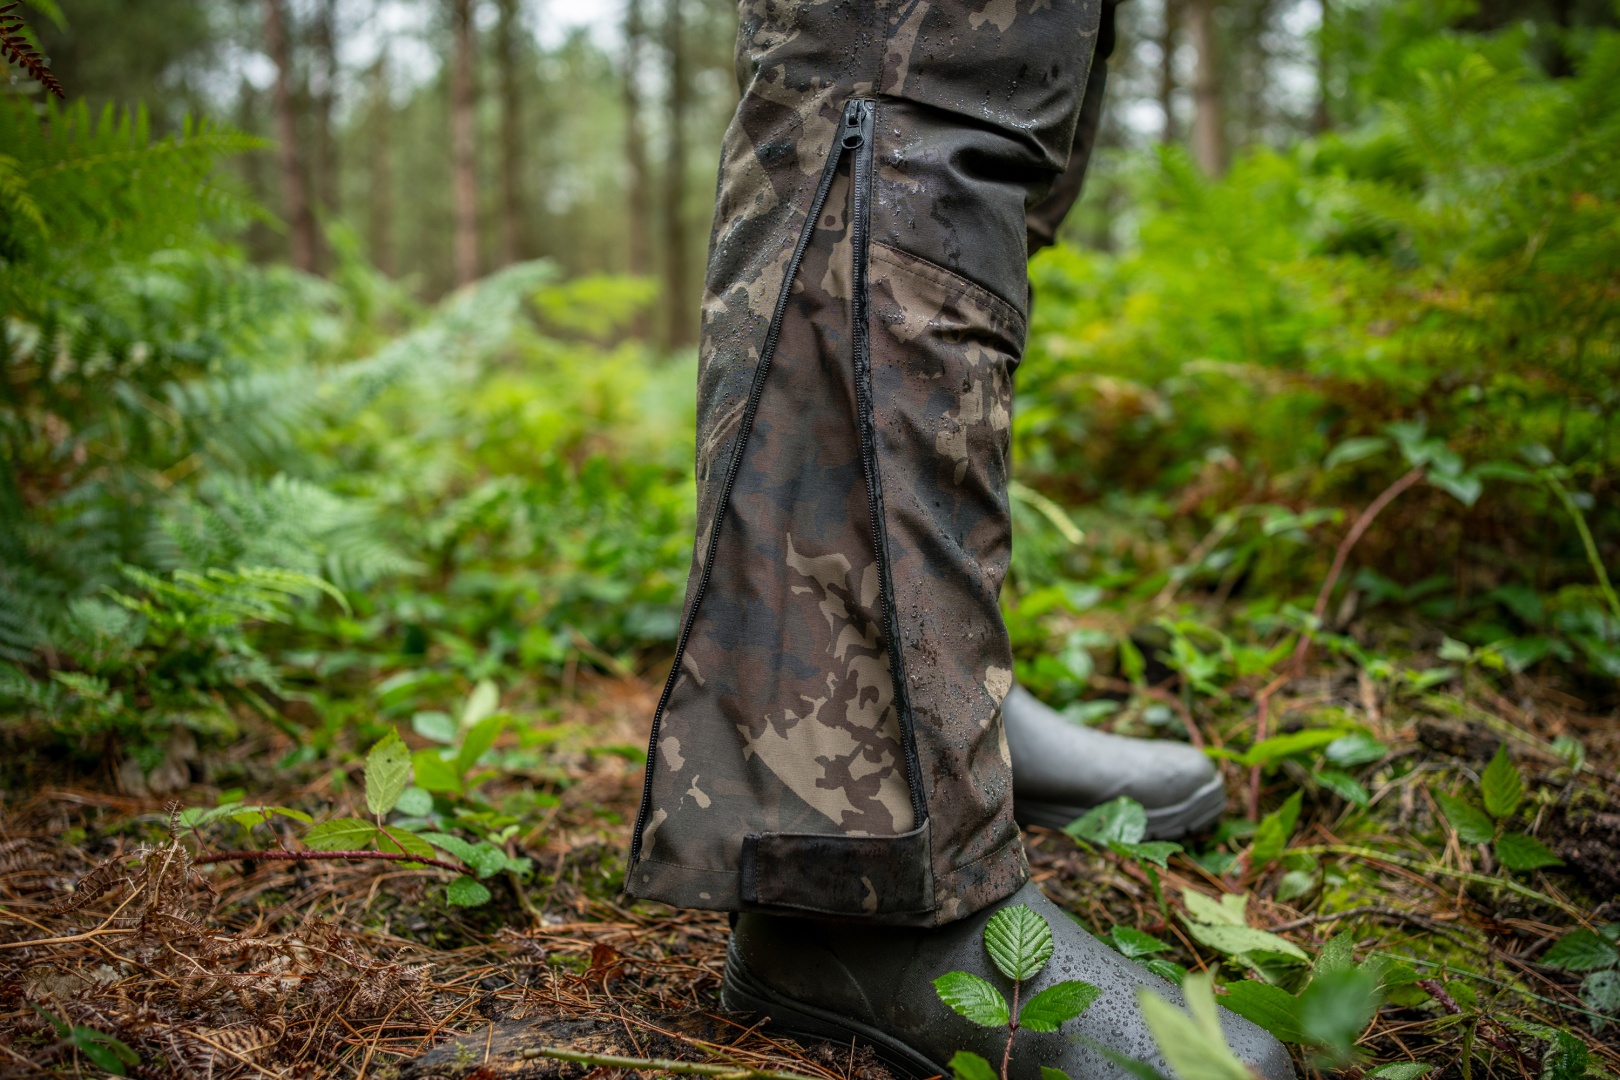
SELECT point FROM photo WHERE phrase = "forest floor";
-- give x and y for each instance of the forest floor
(301, 968)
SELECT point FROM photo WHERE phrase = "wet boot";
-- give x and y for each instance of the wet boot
(834, 982)
(1061, 770)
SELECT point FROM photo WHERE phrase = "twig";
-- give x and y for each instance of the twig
(311, 856)
(689, 1068)
(88, 935)
(1378, 911)
(1433, 988)
(1340, 557)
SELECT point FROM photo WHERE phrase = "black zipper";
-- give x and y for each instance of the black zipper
(861, 338)
(854, 134)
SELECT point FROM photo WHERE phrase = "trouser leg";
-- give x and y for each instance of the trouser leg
(830, 737)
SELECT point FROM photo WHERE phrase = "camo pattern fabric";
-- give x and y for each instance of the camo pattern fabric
(830, 738)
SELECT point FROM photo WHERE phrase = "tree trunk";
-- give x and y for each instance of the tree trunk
(294, 198)
(1209, 134)
(1322, 118)
(680, 328)
(514, 239)
(1170, 31)
(463, 142)
(635, 143)
(381, 201)
(325, 103)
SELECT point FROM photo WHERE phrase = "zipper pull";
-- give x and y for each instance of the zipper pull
(857, 114)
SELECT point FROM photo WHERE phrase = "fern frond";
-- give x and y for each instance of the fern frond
(15, 46)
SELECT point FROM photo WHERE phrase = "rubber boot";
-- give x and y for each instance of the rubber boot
(1061, 770)
(835, 982)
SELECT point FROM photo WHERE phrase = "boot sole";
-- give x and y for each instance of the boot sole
(806, 1023)
(1198, 811)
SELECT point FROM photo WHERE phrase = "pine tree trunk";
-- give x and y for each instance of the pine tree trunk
(1209, 126)
(680, 328)
(381, 201)
(325, 105)
(294, 197)
(463, 142)
(1169, 33)
(514, 245)
(635, 142)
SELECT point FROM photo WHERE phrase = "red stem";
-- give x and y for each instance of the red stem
(1012, 1029)
(313, 856)
(1449, 1003)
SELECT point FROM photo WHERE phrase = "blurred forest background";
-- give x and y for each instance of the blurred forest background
(349, 365)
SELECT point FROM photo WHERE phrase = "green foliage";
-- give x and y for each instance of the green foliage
(105, 1051)
(1019, 943)
(1597, 953)
(1501, 788)
(1119, 825)
(1192, 1041)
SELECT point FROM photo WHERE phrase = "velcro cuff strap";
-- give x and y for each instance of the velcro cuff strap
(859, 876)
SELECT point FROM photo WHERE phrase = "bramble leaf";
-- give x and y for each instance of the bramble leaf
(1401, 1070)
(1121, 820)
(1581, 951)
(1601, 991)
(1343, 785)
(966, 1065)
(1153, 851)
(1192, 1042)
(415, 801)
(478, 739)
(1133, 943)
(465, 892)
(1500, 785)
(973, 998)
(437, 726)
(433, 773)
(388, 770)
(1275, 828)
(1472, 826)
(1019, 941)
(1057, 1004)
(1516, 851)
(1272, 1007)
(344, 834)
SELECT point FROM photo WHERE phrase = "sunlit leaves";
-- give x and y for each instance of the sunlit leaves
(1019, 941)
(388, 770)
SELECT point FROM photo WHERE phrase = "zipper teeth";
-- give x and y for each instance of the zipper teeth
(756, 390)
(860, 199)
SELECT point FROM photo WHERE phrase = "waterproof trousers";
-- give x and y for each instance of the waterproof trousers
(830, 741)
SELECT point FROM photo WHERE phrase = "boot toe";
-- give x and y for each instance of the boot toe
(1257, 1048)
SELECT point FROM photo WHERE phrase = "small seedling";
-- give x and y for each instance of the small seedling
(1501, 789)
(1019, 943)
(1597, 953)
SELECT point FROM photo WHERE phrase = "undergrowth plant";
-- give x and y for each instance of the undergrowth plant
(1501, 791)
(1020, 943)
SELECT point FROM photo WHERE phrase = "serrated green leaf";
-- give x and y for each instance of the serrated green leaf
(1338, 954)
(1229, 910)
(415, 802)
(1133, 943)
(404, 843)
(973, 998)
(1122, 820)
(1157, 852)
(433, 773)
(1566, 1058)
(966, 1065)
(1519, 852)
(1057, 1005)
(1356, 748)
(1472, 826)
(1049, 1073)
(1192, 1042)
(1500, 785)
(1240, 940)
(455, 845)
(1344, 786)
(1601, 991)
(388, 770)
(477, 741)
(1272, 1007)
(1019, 941)
(1581, 951)
(249, 816)
(344, 834)
(437, 726)
(1401, 1070)
(465, 892)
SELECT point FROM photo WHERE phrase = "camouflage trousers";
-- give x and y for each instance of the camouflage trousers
(830, 741)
